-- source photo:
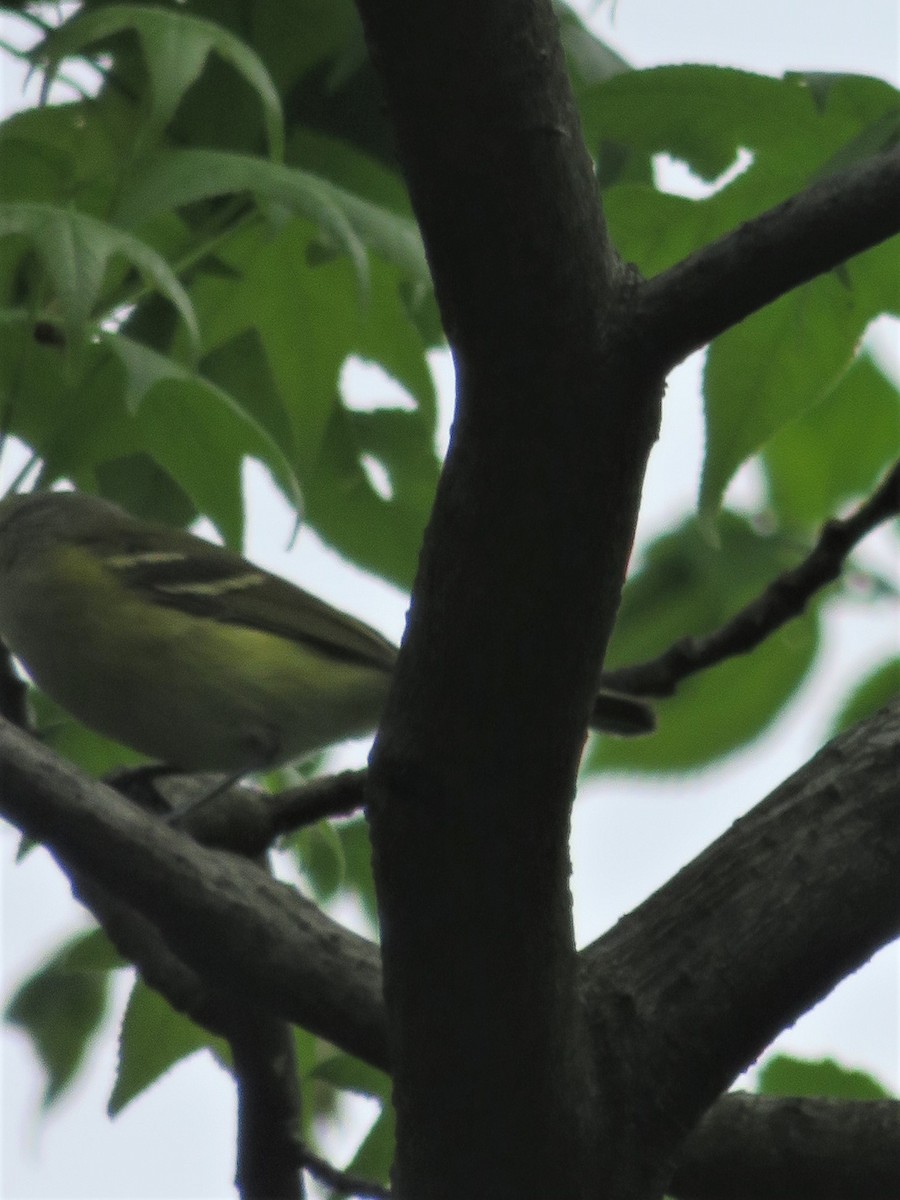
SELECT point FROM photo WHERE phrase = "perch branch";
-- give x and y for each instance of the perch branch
(221, 915)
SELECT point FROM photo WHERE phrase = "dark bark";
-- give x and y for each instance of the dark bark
(474, 768)
(685, 991)
(690, 987)
(684, 308)
(214, 911)
(785, 1148)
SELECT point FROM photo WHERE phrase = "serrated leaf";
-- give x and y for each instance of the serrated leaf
(773, 367)
(61, 1007)
(175, 178)
(705, 117)
(782, 1075)
(702, 115)
(306, 344)
(76, 251)
(176, 46)
(837, 449)
(153, 1038)
(198, 433)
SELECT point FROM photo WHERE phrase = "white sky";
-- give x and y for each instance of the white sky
(177, 1141)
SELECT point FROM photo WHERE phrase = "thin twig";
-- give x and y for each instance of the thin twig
(786, 597)
(332, 796)
(342, 1181)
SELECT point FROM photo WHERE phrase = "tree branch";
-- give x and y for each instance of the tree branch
(475, 764)
(684, 308)
(262, 1046)
(342, 1182)
(777, 1148)
(694, 983)
(217, 913)
(785, 598)
(776, 911)
(241, 818)
(331, 796)
(269, 1118)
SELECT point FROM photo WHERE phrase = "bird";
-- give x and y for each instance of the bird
(185, 651)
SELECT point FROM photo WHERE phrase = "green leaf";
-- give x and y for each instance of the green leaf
(687, 587)
(374, 1158)
(241, 367)
(306, 343)
(174, 178)
(703, 115)
(773, 367)
(652, 229)
(61, 732)
(349, 169)
(877, 137)
(139, 484)
(199, 434)
(357, 849)
(152, 1040)
(319, 855)
(837, 449)
(869, 696)
(62, 1005)
(700, 115)
(77, 250)
(590, 59)
(306, 338)
(70, 418)
(381, 534)
(785, 1076)
(352, 1075)
(175, 46)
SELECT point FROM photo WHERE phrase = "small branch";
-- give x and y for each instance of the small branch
(269, 1116)
(775, 1148)
(687, 306)
(242, 819)
(782, 600)
(333, 796)
(342, 1181)
(262, 1046)
(217, 912)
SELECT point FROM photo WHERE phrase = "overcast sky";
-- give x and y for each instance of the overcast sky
(177, 1142)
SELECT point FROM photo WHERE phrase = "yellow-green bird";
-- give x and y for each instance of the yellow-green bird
(185, 651)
